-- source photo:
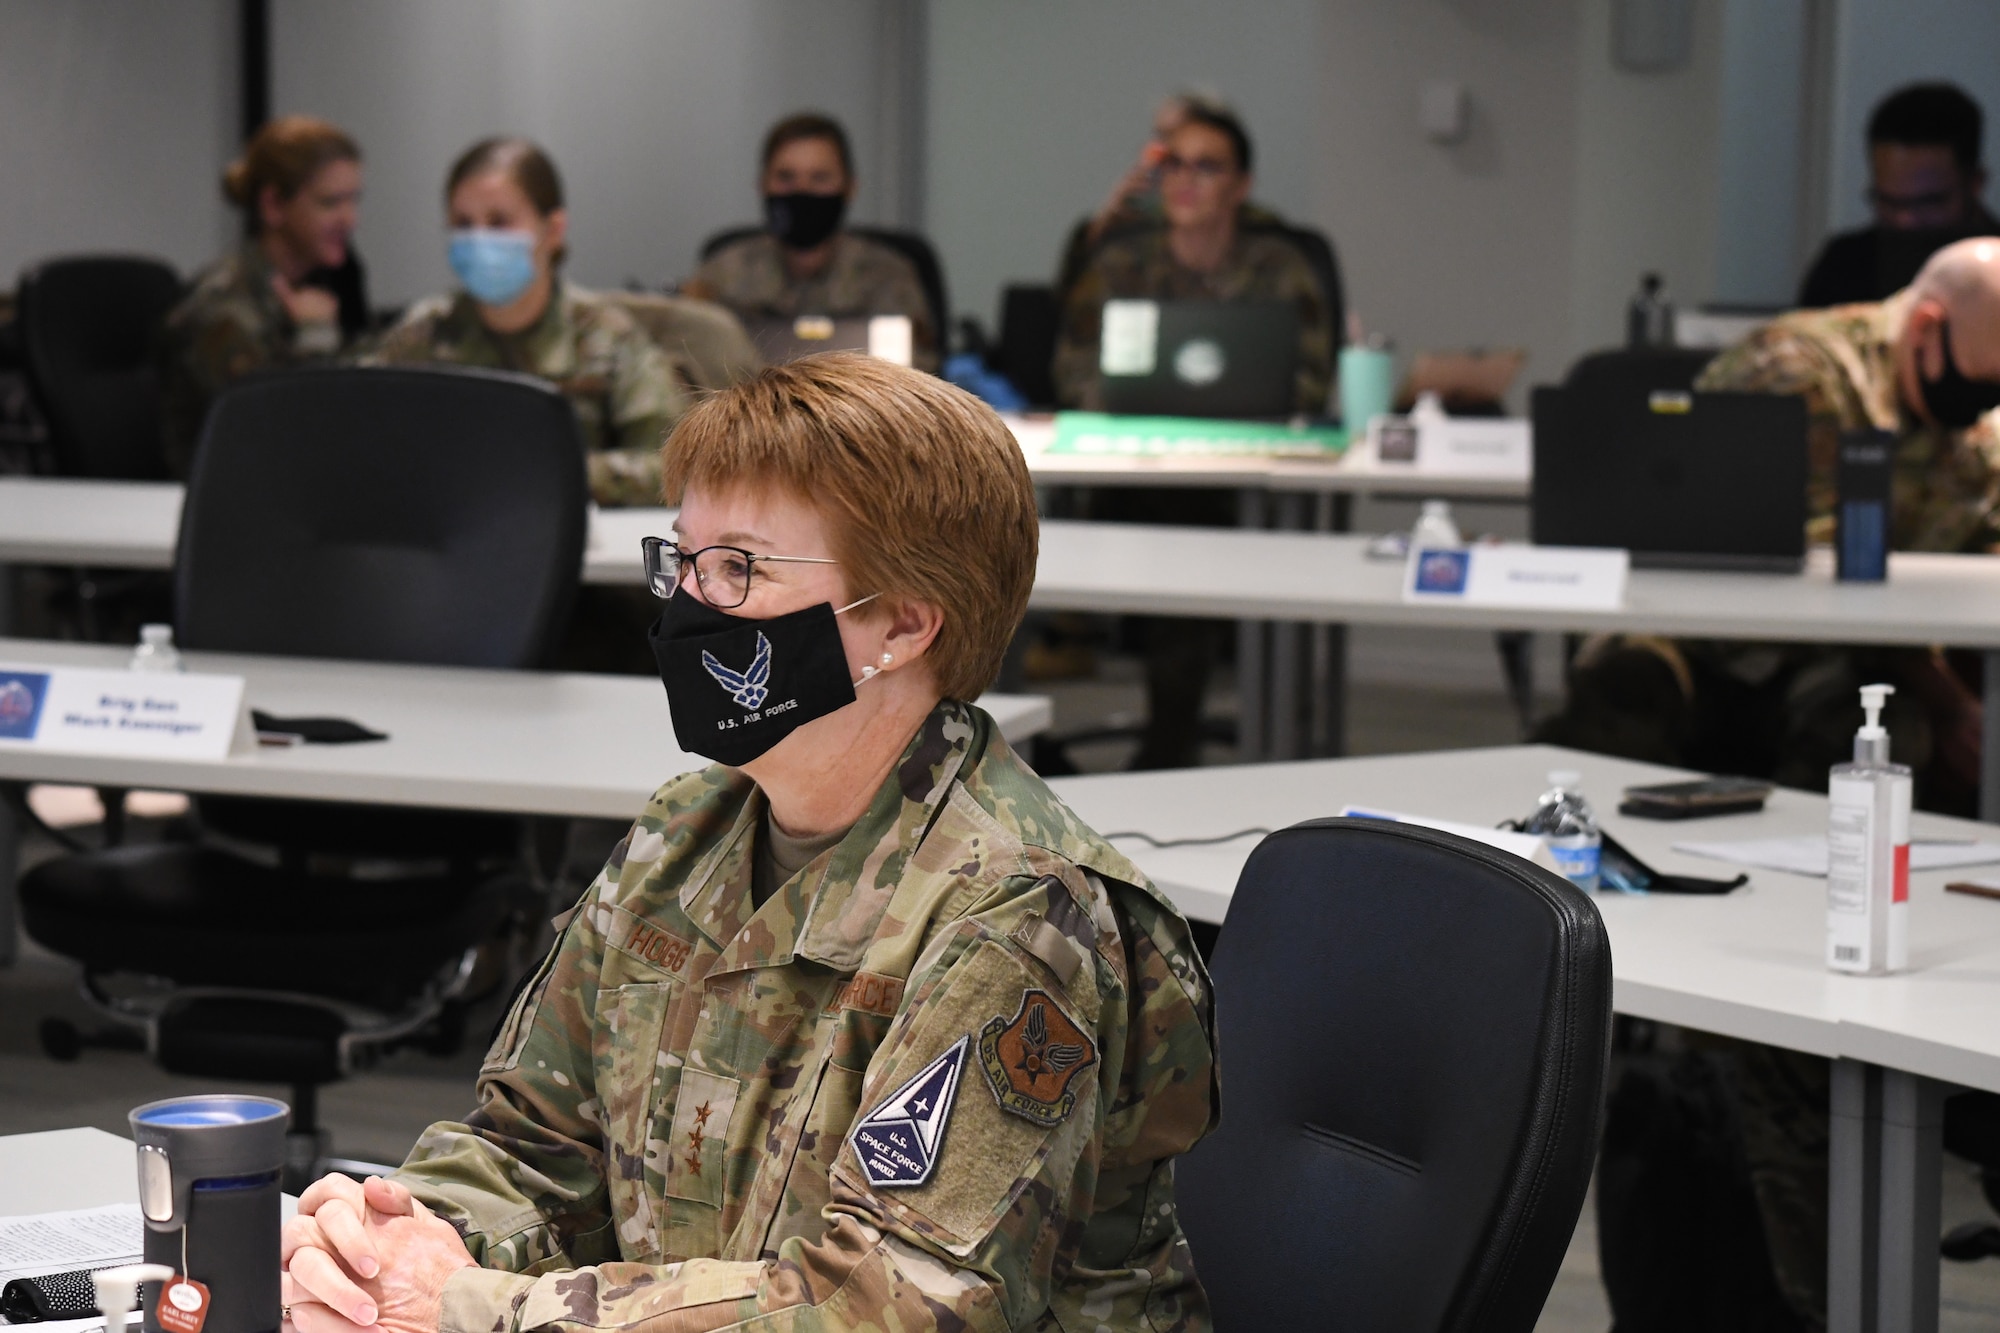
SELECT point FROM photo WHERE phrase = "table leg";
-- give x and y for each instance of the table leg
(10, 871)
(1884, 1167)
(1989, 742)
(1327, 681)
(1250, 695)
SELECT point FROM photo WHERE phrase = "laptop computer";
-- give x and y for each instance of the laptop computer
(1200, 358)
(1680, 479)
(781, 340)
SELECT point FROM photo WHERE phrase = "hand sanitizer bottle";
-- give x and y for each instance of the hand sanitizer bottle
(1868, 852)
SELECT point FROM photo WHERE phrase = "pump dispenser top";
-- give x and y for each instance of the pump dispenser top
(1871, 742)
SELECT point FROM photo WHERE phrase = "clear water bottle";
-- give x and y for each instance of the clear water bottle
(1565, 821)
(1435, 528)
(156, 651)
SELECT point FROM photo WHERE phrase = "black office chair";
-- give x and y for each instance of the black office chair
(1319, 256)
(391, 515)
(920, 253)
(1414, 1031)
(1030, 322)
(87, 327)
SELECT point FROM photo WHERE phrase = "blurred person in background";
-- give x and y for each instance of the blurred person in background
(291, 292)
(1925, 181)
(805, 261)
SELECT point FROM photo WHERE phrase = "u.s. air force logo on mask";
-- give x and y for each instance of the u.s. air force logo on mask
(748, 686)
(899, 1141)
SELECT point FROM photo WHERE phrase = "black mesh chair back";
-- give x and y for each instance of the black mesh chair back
(1318, 253)
(1030, 322)
(395, 515)
(930, 273)
(88, 330)
(1637, 371)
(1414, 1031)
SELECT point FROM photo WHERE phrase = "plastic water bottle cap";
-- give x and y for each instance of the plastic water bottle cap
(156, 636)
(1566, 778)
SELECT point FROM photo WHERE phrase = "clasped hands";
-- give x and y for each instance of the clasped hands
(367, 1256)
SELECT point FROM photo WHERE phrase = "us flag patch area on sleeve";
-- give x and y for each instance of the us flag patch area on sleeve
(898, 1143)
(1031, 1059)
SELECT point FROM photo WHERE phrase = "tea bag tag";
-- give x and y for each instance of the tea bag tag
(183, 1306)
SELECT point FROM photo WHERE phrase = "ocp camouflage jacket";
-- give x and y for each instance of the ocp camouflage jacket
(935, 1081)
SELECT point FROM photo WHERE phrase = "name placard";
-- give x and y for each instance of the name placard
(1555, 578)
(1457, 446)
(137, 714)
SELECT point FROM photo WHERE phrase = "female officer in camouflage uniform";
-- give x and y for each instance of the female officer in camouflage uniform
(290, 293)
(864, 1030)
(514, 312)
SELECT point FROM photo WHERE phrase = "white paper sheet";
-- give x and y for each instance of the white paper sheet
(80, 1238)
(1807, 855)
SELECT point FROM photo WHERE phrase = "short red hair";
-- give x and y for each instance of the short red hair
(926, 492)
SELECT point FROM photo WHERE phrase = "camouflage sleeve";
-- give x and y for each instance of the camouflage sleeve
(1776, 359)
(1315, 380)
(1075, 366)
(967, 1181)
(410, 340)
(646, 400)
(523, 1178)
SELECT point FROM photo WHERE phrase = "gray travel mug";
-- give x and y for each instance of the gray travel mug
(208, 1189)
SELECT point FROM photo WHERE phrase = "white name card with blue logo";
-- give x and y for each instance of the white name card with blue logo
(1546, 578)
(138, 714)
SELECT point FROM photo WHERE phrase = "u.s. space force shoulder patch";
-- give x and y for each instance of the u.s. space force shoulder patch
(898, 1142)
(1031, 1059)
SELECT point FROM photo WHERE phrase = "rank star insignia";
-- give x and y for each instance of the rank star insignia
(1031, 1059)
(898, 1142)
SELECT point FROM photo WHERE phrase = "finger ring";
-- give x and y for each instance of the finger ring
(286, 1312)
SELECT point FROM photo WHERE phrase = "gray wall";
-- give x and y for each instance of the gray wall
(1038, 106)
(653, 112)
(118, 118)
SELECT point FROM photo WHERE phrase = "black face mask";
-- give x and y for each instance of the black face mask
(737, 687)
(1953, 400)
(802, 221)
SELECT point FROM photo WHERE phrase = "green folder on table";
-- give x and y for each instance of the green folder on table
(1102, 435)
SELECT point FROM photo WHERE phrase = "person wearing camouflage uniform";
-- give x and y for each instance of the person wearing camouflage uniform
(1202, 252)
(805, 262)
(625, 395)
(292, 292)
(862, 277)
(230, 324)
(923, 1064)
(1260, 266)
(1793, 707)
(680, 1083)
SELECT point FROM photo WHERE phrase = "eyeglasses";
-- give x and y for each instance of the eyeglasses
(722, 572)
(1206, 168)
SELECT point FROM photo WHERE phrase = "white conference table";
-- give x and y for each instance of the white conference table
(59, 1169)
(1748, 964)
(1289, 578)
(521, 742)
(133, 524)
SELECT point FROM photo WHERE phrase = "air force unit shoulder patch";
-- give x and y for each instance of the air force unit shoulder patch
(899, 1141)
